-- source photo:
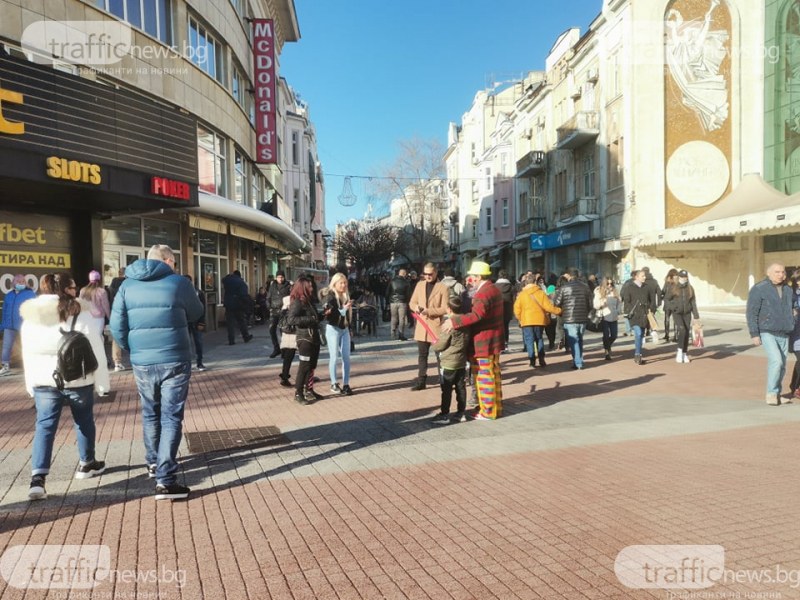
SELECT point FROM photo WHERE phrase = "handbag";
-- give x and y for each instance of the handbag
(595, 320)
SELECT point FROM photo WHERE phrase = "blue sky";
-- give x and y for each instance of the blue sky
(378, 71)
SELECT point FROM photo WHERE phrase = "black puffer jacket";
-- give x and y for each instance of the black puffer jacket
(305, 320)
(398, 291)
(575, 300)
(681, 299)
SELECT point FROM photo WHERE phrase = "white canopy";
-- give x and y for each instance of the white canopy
(753, 205)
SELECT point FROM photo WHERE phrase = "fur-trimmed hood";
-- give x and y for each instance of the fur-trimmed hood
(43, 310)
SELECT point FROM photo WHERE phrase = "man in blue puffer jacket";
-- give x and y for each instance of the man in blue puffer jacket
(150, 318)
(12, 321)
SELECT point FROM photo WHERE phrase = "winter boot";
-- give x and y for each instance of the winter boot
(541, 359)
(419, 384)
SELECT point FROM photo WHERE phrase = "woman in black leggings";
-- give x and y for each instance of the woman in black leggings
(683, 301)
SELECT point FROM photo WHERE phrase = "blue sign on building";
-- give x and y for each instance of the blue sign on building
(561, 237)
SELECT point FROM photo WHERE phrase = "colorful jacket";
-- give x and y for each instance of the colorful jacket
(485, 321)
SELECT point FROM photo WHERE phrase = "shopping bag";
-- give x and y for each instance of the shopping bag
(651, 318)
(697, 337)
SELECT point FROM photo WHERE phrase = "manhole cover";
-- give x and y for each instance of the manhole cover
(235, 439)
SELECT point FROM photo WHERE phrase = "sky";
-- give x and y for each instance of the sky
(375, 72)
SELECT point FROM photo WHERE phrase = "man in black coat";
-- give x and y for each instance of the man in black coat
(236, 301)
(398, 293)
(638, 298)
(278, 289)
(575, 300)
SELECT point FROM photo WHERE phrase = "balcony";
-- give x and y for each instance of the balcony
(586, 208)
(531, 164)
(581, 128)
(532, 225)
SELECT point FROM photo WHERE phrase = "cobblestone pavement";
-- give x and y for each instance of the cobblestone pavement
(361, 497)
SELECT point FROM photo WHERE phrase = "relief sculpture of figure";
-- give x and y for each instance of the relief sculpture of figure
(694, 55)
(793, 49)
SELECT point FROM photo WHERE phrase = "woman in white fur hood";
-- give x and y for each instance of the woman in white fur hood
(43, 317)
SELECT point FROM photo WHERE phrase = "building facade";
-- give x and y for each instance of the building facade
(162, 123)
(664, 136)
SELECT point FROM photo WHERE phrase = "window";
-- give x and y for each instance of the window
(154, 17)
(211, 163)
(295, 148)
(256, 193)
(522, 210)
(488, 218)
(561, 188)
(211, 260)
(504, 203)
(239, 87)
(474, 227)
(474, 191)
(588, 175)
(488, 179)
(239, 177)
(205, 51)
(296, 205)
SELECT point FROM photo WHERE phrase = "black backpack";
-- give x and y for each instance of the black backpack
(75, 358)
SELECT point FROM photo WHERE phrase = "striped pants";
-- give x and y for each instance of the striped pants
(486, 372)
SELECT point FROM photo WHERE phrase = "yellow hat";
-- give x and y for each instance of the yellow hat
(479, 268)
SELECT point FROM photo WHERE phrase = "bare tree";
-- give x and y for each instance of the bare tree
(364, 245)
(416, 179)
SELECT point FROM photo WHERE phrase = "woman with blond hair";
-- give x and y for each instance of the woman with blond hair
(338, 311)
(97, 297)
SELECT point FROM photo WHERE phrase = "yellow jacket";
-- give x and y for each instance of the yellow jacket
(533, 307)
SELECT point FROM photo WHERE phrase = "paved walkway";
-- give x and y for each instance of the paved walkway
(361, 497)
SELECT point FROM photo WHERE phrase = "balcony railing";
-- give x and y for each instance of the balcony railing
(532, 163)
(583, 206)
(579, 129)
(532, 225)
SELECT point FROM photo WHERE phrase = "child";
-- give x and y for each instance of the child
(452, 347)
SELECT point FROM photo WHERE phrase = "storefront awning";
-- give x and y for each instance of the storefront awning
(218, 206)
(752, 206)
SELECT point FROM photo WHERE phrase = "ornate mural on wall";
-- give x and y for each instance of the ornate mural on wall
(697, 121)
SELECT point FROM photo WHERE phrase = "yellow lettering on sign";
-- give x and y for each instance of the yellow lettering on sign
(9, 126)
(9, 233)
(34, 259)
(73, 170)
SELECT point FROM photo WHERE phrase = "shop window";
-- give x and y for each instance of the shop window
(162, 232)
(787, 242)
(122, 231)
(211, 260)
(239, 85)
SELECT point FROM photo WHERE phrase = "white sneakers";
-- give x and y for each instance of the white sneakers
(6, 370)
(682, 357)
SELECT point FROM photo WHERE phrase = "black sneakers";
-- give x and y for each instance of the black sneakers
(441, 419)
(36, 491)
(248, 337)
(173, 491)
(346, 390)
(92, 469)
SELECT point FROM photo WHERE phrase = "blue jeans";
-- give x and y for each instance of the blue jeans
(338, 345)
(532, 337)
(574, 334)
(163, 390)
(638, 336)
(9, 337)
(777, 348)
(49, 401)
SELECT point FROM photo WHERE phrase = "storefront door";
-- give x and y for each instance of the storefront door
(115, 257)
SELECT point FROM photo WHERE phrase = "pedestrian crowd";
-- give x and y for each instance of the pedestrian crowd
(158, 318)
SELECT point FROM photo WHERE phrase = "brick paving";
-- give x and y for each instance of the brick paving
(360, 497)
